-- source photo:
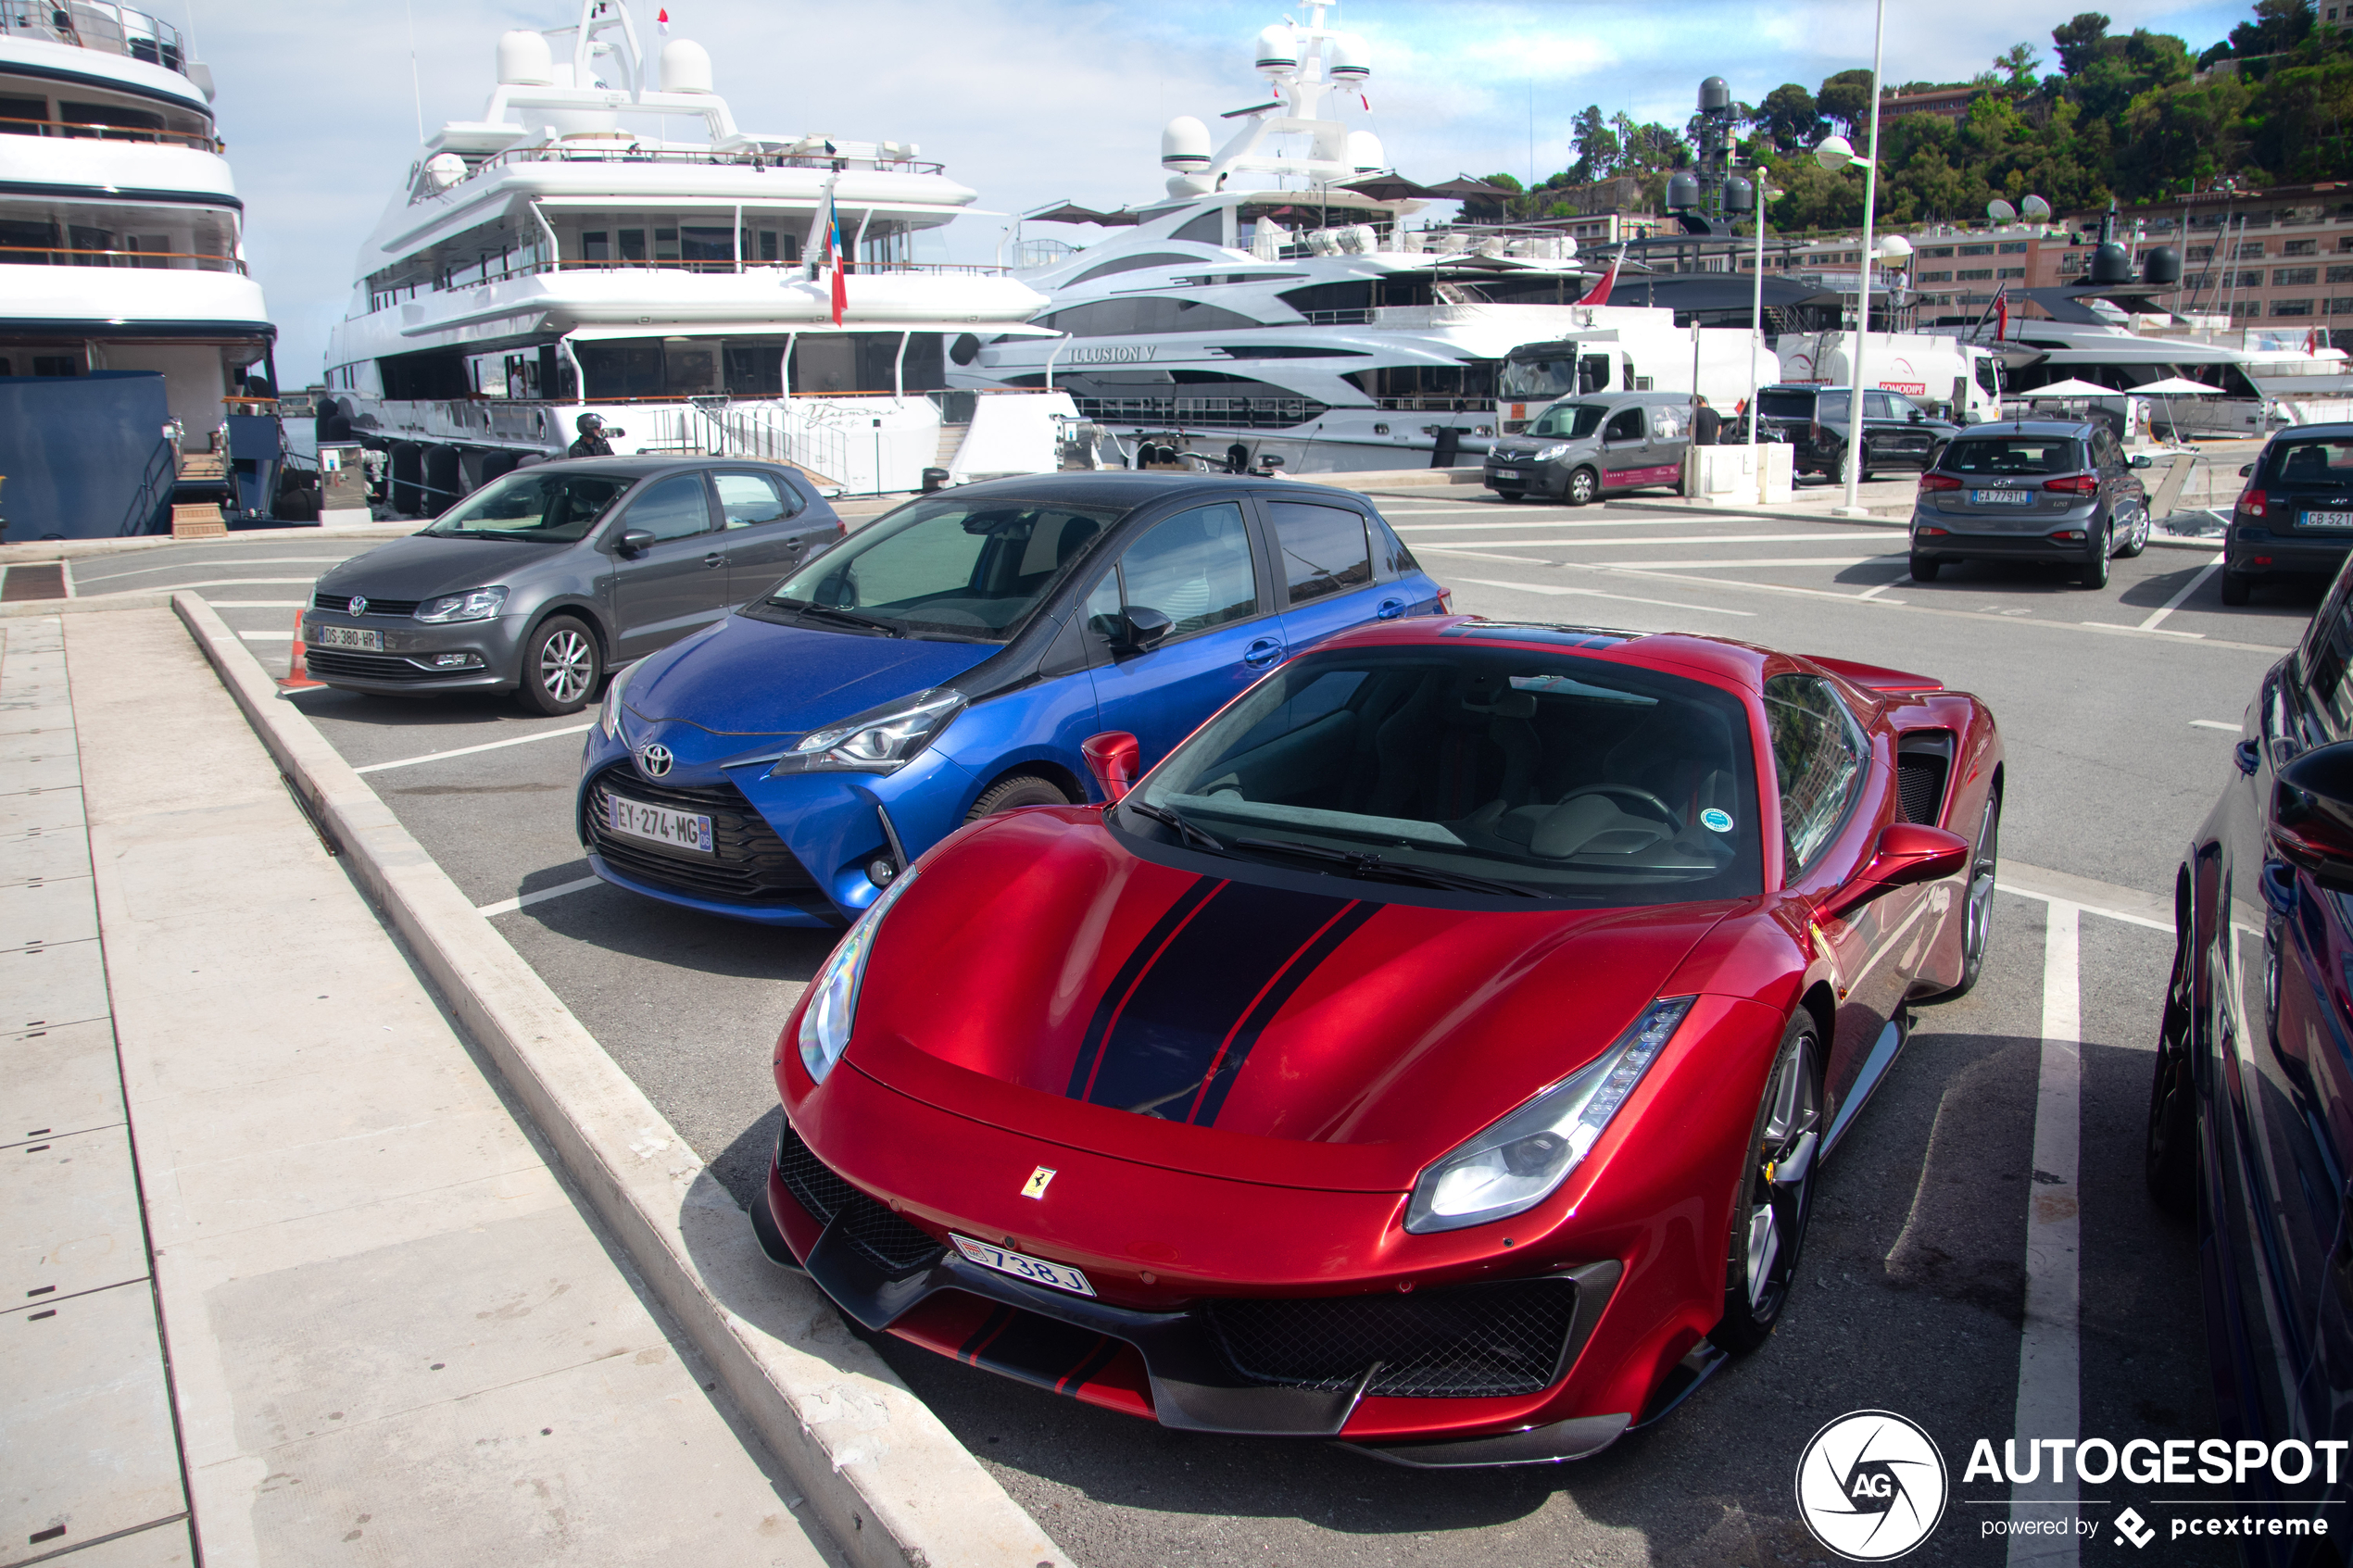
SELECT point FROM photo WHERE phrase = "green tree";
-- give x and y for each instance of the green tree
(1595, 144)
(1790, 118)
(2079, 41)
(2015, 67)
(2279, 26)
(1846, 98)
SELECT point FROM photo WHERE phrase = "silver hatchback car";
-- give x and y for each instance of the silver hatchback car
(2049, 490)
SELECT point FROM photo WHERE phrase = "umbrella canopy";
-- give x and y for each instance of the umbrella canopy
(1070, 212)
(1390, 187)
(1464, 188)
(2076, 388)
(2177, 386)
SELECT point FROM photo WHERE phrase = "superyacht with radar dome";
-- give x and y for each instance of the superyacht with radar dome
(133, 343)
(606, 241)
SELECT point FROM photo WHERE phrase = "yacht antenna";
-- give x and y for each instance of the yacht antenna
(416, 84)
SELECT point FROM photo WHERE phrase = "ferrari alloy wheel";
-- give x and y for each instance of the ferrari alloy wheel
(1777, 1192)
(560, 667)
(1582, 487)
(2169, 1158)
(1977, 912)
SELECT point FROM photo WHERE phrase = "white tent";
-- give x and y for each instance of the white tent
(2059, 391)
(2177, 386)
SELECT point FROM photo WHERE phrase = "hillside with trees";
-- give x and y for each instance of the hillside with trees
(2133, 116)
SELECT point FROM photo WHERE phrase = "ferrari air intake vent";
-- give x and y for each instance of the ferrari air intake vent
(1922, 760)
(888, 1242)
(1488, 1340)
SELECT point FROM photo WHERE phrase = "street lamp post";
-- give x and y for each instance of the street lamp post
(1757, 329)
(1834, 154)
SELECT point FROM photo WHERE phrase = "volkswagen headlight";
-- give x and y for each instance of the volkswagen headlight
(1546, 454)
(832, 995)
(881, 740)
(474, 604)
(1522, 1159)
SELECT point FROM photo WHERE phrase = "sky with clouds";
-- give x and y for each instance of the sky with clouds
(1029, 101)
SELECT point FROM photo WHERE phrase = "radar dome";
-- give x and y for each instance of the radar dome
(443, 171)
(2162, 264)
(1739, 194)
(1365, 153)
(1184, 144)
(685, 67)
(2111, 263)
(1348, 59)
(1277, 50)
(525, 60)
(1715, 93)
(1681, 190)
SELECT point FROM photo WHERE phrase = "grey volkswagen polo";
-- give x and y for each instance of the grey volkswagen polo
(542, 580)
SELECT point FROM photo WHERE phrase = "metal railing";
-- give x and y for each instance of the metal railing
(161, 261)
(809, 436)
(580, 152)
(1250, 413)
(95, 24)
(83, 129)
(383, 297)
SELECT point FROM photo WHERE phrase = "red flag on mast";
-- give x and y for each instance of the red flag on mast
(833, 252)
(1599, 293)
(2001, 319)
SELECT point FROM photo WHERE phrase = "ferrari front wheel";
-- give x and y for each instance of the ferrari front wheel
(1776, 1197)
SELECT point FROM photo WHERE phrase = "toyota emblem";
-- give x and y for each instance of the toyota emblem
(357, 607)
(655, 759)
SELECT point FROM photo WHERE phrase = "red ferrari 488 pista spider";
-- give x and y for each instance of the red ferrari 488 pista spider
(1436, 1051)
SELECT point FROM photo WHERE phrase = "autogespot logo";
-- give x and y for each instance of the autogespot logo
(1871, 1486)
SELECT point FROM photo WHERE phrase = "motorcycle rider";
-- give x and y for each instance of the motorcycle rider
(592, 442)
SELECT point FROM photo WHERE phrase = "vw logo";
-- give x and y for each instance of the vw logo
(655, 759)
(1871, 1486)
(357, 607)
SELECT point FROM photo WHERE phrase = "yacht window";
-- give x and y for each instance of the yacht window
(665, 245)
(80, 118)
(1322, 549)
(1207, 228)
(633, 244)
(699, 242)
(969, 569)
(1131, 263)
(553, 508)
(22, 117)
(691, 367)
(1107, 317)
(594, 245)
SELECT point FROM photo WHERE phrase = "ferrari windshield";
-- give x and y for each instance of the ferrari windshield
(1533, 771)
(970, 568)
(558, 508)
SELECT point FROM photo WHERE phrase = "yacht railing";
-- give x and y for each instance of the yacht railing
(94, 24)
(466, 277)
(562, 152)
(79, 130)
(811, 435)
(1250, 413)
(161, 261)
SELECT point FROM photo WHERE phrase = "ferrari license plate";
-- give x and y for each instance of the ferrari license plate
(2325, 519)
(2001, 497)
(349, 637)
(1061, 1276)
(658, 824)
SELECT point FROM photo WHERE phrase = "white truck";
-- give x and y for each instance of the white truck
(1954, 380)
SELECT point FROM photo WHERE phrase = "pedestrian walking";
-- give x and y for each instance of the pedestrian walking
(1707, 425)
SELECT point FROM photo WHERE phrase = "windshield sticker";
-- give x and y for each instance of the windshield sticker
(1715, 821)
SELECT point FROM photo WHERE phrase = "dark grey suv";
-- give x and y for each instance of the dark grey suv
(2048, 490)
(2296, 514)
(542, 580)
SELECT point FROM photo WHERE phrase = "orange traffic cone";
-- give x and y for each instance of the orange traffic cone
(297, 676)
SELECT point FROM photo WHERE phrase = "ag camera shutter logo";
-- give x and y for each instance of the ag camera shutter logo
(1871, 1486)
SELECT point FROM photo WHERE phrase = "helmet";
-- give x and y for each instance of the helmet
(589, 424)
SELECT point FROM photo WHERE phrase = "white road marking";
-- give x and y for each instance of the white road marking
(2188, 589)
(2151, 630)
(508, 905)
(2101, 910)
(2216, 724)
(470, 750)
(1846, 540)
(1752, 561)
(267, 636)
(1498, 524)
(1883, 587)
(2049, 1353)
(259, 604)
(248, 560)
(1596, 594)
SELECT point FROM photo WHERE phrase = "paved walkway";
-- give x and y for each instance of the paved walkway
(281, 1270)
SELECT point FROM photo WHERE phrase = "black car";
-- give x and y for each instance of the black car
(1898, 433)
(2048, 490)
(2249, 1128)
(2295, 515)
(542, 580)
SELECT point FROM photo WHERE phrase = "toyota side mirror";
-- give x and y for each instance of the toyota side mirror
(1138, 629)
(1908, 854)
(635, 541)
(2312, 815)
(1112, 756)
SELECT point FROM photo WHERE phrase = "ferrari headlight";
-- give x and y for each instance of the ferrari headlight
(832, 995)
(1546, 454)
(881, 740)
(474, 604)
(609, 716)
(1522, 1159)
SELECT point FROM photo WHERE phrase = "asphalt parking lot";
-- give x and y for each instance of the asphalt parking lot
(2119, 707)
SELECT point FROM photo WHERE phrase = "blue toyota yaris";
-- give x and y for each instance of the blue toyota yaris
(946, 661)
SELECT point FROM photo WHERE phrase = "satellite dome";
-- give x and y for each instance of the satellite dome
(1277, 50)
(1184, 144)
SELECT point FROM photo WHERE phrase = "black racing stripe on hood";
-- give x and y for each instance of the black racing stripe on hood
(1327, 942)
(1082, 1072)
(1168, 1032)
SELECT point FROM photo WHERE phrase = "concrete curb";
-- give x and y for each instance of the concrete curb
(36, 552)
(888, 1480)
(152, 598)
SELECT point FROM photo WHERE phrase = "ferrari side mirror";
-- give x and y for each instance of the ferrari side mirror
(1908, 854)
(1112, 756)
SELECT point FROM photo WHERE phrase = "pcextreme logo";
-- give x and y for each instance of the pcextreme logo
(1871, 1486)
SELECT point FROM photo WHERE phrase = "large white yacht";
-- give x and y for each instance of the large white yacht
(129, 330)
(605, 239)
(1275, 304)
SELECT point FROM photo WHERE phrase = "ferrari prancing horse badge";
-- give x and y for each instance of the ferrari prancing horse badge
(1036, 1186)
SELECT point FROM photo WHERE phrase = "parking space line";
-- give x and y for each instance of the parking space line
(2188, 589)
(2049, 1353)
(1846, 540)
(1875, 593)
(259, 604)
(470, 750)
(66, 564)
(2216, 724)
(1597, 594)
(508, 905)
(2104, 913)
(2138, 631)
(1754, 560)
(267, 636)
(1499, 525)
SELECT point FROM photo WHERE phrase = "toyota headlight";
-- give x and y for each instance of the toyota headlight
(609, 716)
(474, 604)
(1522, 1159)
(881, 740)
(1546, 454)
(832, 995)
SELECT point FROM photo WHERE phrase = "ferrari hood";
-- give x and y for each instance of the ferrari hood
(748, 677)
(1261, 1024)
